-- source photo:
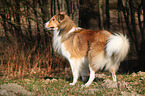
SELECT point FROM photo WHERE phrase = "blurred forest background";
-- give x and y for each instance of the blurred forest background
(26, 47)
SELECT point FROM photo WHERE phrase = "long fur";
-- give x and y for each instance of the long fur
(117, 45)
(86, 49)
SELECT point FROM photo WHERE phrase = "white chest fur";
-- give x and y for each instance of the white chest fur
(57, 44)
(56, 41)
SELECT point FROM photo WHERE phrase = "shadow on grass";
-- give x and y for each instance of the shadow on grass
(70, 79)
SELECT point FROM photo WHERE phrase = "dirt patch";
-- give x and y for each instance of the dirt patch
(100, 75)
(12, 89)
(130, 94)
(50, 80)
(141, 73)
(119, 85)
(109, 84)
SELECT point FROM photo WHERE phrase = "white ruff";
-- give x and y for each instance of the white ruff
(57, 41)
(57, 44)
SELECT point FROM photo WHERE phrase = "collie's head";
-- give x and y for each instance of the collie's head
(61, 22)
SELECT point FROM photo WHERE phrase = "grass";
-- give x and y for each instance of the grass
(59, 85)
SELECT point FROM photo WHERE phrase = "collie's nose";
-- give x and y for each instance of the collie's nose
(46, 24)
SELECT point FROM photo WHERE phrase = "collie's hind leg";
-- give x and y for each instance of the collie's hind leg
(113, 75)
(91, 78)
(75, 70)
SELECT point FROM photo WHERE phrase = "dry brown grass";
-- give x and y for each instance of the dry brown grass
(25, 57)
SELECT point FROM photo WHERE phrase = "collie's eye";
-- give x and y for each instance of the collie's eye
(53, 19)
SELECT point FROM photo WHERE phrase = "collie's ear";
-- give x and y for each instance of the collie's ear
(61, 16)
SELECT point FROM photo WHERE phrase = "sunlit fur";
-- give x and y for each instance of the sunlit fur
(87, 50)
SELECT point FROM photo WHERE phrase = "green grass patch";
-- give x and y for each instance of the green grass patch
(127, 84)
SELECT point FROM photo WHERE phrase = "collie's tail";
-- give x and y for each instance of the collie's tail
(117, 46)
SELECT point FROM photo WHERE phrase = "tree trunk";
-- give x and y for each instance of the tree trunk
(107, 15)
(142, 49)
(133, 25)
(17, 19)
(99, 16)
(37, 22)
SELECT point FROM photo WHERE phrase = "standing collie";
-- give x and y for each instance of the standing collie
(87, 50)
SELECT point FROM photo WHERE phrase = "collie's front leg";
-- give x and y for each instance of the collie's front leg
(75, 78)
(75, 70)
(91, 78)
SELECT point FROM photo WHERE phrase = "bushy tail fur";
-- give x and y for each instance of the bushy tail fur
(117, 46)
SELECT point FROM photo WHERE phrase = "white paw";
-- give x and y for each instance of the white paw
(84, 85)
(114, 78)
(71, 83)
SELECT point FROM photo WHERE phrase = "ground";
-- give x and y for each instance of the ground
(127, 85)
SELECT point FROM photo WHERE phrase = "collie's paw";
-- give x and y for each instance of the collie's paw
(71, 83)
(84, 85)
